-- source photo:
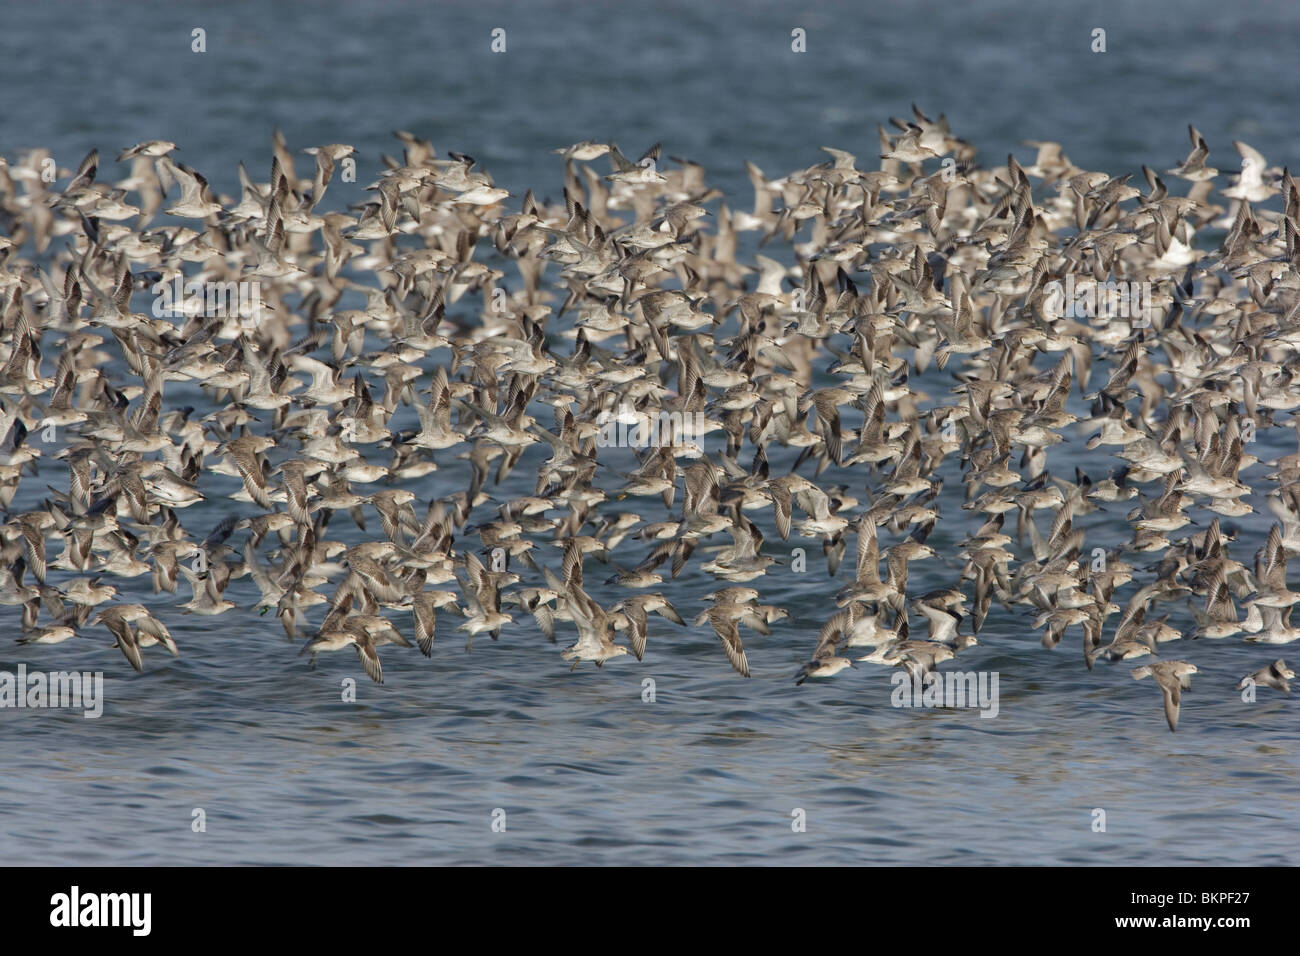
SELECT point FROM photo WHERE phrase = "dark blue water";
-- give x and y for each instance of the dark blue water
(585, 770)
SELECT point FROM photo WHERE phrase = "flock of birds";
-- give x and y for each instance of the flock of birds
(629, 301)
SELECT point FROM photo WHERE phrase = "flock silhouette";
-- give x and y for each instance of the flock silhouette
(1051, 303)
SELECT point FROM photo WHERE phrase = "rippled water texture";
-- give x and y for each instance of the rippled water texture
(584, 769)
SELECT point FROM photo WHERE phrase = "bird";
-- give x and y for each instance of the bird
(1173, 677)
(826, 660)
(1276, 675)
(450, 390)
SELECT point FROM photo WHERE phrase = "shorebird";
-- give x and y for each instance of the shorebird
(1193, 168)
(55, 634)
(1173, 677)
(634, 611)
(1131, 639)
(1276, 675)
(826, 661)
(348, 632)
(733, 606)
(193, 203)
(595, 626)
(147, 631)
(152, 149)
(1270, 573)
(895, 330)
(482, 595)
(943, 611)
